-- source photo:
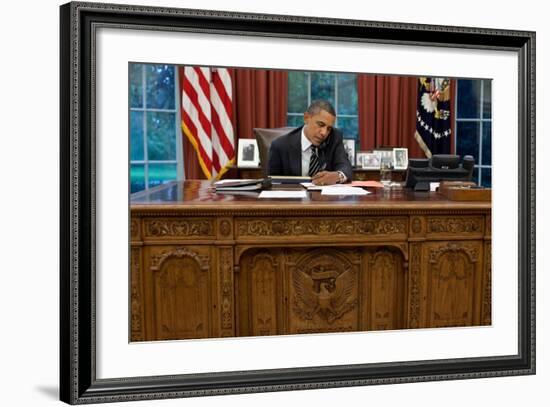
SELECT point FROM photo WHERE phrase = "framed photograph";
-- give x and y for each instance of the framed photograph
(349, 146)
(386, 155)
(360, 158)
(115, 256)
(400, 158)
(248, 155)
(371, 161)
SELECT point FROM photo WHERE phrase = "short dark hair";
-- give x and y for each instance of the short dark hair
(317, 105)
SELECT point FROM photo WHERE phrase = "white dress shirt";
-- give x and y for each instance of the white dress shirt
(306, 157)
(306, 154)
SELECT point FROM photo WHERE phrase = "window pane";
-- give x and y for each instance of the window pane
(486, 144)
(487, 92)
(295, 121)
(349, 126)
(347, 94)
(322, 86)
(161, 173)
(136, 86)
(467, 139)
(486, 177)
(468, 99)
(137, 178)
(136, 135)
(297, 92)
(160, 86)
(161, 139)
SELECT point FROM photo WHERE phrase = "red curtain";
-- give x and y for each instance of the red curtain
(387, 112)
(190, 162)
(260, 99)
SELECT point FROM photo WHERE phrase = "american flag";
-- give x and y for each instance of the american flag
(206, 111)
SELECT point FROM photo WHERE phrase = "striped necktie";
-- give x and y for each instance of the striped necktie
(313, 162)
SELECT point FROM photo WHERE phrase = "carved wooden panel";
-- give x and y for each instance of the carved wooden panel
(225, 293)
(322, 286)
(454, 279)
(135, 230)
(178, 228)
(418, 227)
(180, 305)
(260, 286)
(383, 289)
(416, 288)
(336, 227)
(136, 296)
(455, 226)
(225, 228)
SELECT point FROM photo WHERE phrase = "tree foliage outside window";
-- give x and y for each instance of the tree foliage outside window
(340, 89)
(154, 129)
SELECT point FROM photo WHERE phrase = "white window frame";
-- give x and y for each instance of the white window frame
(480, 120)
(180, 173)
(338, 116)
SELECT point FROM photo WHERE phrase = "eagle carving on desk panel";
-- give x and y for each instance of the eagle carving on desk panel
(323, 291)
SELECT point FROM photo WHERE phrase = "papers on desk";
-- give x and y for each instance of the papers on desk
(283, 194)
(343, 190)
(353, 188)
(310, 186)
(337, 189)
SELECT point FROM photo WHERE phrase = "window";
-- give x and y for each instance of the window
(473, 125)
(155, 135)
(340, 89)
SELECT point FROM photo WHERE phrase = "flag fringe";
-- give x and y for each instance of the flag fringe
(193, 142)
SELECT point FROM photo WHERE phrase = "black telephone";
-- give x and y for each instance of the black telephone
(325, 142)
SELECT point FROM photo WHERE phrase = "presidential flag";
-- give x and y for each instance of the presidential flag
(206, 111)
(433, 115)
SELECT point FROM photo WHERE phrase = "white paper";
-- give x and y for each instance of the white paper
(434, 186)
(283, 194)
(311, 186)
(343, 190)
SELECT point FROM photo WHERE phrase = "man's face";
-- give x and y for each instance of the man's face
(318, 126)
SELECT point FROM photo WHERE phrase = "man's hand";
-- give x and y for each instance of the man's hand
(325, 178)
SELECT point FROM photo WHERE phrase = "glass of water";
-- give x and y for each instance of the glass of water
(385, 173)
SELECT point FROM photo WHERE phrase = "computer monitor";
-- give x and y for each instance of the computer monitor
(441, 167)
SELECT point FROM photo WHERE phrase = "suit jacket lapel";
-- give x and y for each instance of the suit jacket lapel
(295, 152)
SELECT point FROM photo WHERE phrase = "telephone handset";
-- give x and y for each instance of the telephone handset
(321, 149)
(324, 144)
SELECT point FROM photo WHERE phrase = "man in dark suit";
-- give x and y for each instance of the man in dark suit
(315, 149)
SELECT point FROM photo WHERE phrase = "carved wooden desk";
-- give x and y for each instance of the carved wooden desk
(211, 265)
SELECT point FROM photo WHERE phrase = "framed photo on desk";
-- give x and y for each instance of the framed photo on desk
(349, 146)
(400, 158)
(370, 161)
(248, 155)
(386, 155)
(99, 364)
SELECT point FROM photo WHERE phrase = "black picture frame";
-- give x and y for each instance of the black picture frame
(78, 381)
